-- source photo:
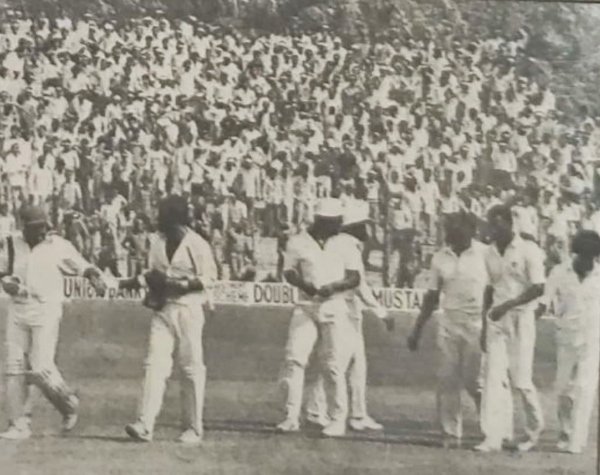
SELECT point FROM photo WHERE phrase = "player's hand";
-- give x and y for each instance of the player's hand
(310, 290)
(390, 323)
(94, 276)
(540, 311)
(99, 286)
(413, 341)
(326, 291)
(380, 313)
(496, 313)
(11, 285)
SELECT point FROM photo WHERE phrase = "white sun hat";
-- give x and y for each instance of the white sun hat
(329, 208)
(355, 212)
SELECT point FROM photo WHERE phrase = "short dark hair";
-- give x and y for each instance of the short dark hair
(586, 243)
(176, 208)
(463, 219)
(503, 212)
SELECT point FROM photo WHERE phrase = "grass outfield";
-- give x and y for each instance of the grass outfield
(102, 351)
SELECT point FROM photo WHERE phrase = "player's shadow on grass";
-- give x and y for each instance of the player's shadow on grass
(401, 433)
(107, 438)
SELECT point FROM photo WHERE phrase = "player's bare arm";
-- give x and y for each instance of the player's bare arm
(350, 281)
(488, 301)
(530, 294)
(430, 303)
(293, 278)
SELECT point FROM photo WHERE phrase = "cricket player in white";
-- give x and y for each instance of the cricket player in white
(323, 275)
(36, 288)
(182, 272)
(350, 242)
(459, 276)
(517, 277)
(573, 290)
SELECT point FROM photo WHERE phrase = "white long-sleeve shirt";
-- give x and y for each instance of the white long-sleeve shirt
(40, 271)
(193, 259)
(576, 304)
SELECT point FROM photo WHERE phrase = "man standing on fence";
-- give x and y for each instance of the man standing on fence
(35, 284)
(459, 273)
(182, 272)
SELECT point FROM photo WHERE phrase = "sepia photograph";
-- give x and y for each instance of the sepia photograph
(310, 237)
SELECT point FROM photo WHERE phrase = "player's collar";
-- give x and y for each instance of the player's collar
(516, 241)
(448, 250)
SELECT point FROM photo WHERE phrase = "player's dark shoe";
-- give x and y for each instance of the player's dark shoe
(137, 431)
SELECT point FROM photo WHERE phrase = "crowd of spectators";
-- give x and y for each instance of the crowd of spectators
(99, 119)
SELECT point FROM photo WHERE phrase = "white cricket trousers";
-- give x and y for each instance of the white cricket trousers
(509, 364)
(30, 359)
(458, 339)
(176, 331)
(357, 374)
(355, 359)
(331, 335)
(576, 384)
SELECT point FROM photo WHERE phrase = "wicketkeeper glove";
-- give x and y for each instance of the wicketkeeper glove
(177, 286)
(156, 281)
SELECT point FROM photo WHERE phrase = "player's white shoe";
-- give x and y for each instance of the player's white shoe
(138, 431)
(335, 429)
(288, 426)
(563, 445)
(487, 446)
(190, 437)
(320, 420)
(69, 422)
(365, 424)
(16, 433)
(527, 445)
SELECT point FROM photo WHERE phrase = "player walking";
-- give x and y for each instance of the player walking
(459, 274)
(182, 270)
(36, 288)
(350, 241)
(320, 271)
(516, 269)
(573, 287)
